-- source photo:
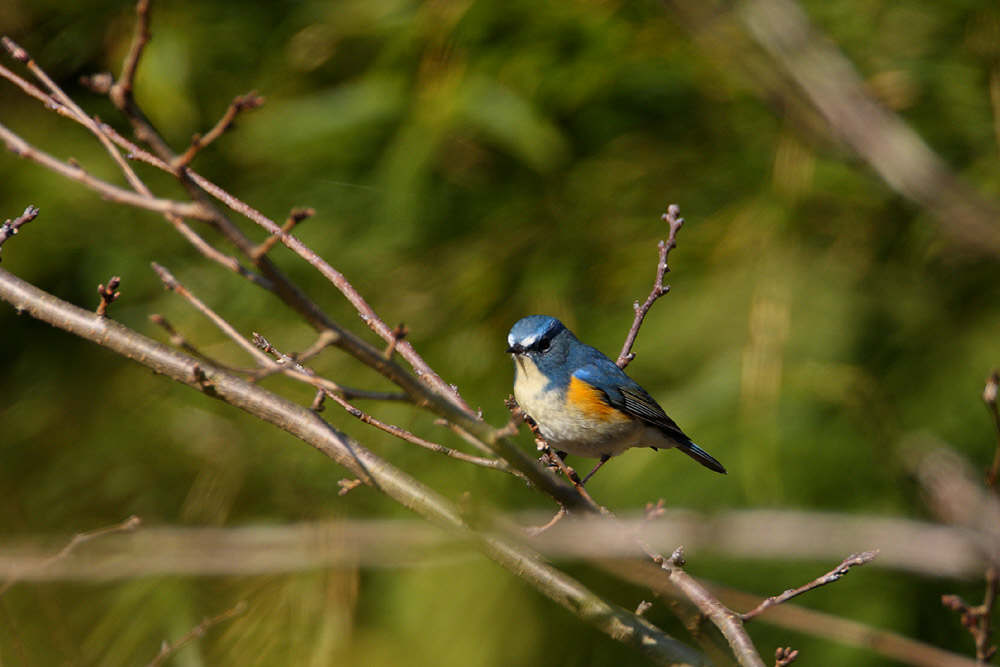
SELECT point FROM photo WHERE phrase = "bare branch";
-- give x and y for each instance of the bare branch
(294, 218)
(108, 294)
(674, 220)
(784, 656)
(615, 621)
(990, 398)
(126, 80)
(978, 620)
(198, 631)
(11, 227)
(828, 578)
(81, 116)
(125, 526)
(174, 285)
(75, 172)
(893, 149)
(403, 434)
(241, 103)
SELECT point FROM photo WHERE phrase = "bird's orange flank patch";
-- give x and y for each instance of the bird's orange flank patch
(592, 402)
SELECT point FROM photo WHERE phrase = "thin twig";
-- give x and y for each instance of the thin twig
(109, 294)
(398, 334)
(401, 433)
(613, 620)
(291, 366)
(990, 398)
(978, 619)
(125, 526)
(338, 280)
(75, 172)
(136, 152)
(126, 80)
(174, 285)
(784, 656)
(535, 531)
(828, 578)
(673, 218)
(241, 103)
(167, 648)
(296, 216)
(11, 227)
(179, 340)
(20, 54)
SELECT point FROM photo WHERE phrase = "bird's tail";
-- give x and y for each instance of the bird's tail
(701, 456)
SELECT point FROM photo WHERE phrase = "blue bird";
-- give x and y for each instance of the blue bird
(582, 402)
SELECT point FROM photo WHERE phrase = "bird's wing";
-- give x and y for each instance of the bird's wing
(623, 393)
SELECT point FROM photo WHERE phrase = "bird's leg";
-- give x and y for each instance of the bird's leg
(604, 459)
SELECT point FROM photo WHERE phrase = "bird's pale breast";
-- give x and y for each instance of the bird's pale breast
(576, 419)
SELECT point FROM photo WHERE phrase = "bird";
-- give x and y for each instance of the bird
(582, 402)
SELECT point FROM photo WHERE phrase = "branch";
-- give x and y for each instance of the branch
(990, 399)
(10, 227)
(75, 172)
(198, 631)
(673, 218)
(301, 422)
(171, 283)
(109, 294)
(828, 578)
(978, 619)
(241, 103)
(282, 359)
(125, 526)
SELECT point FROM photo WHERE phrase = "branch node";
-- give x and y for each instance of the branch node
(109, 294)
(296, 216)
(398, 334)
(654, 511)
(15, 51)
(241, 103)
(317, 404)
(99, 82)
(785, 656)
(346, 485)
(11, 227)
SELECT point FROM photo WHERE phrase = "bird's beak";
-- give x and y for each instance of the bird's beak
(515, 349)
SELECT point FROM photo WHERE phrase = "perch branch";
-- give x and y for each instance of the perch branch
(615, 621)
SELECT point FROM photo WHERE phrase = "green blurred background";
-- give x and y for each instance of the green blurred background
(472, 162)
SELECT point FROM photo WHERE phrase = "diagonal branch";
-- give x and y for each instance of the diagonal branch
(11, 227)
(241, 103)
(828, 578)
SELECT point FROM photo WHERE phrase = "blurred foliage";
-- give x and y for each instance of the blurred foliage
(472, 162)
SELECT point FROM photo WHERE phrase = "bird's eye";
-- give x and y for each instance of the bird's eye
(544, 345)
